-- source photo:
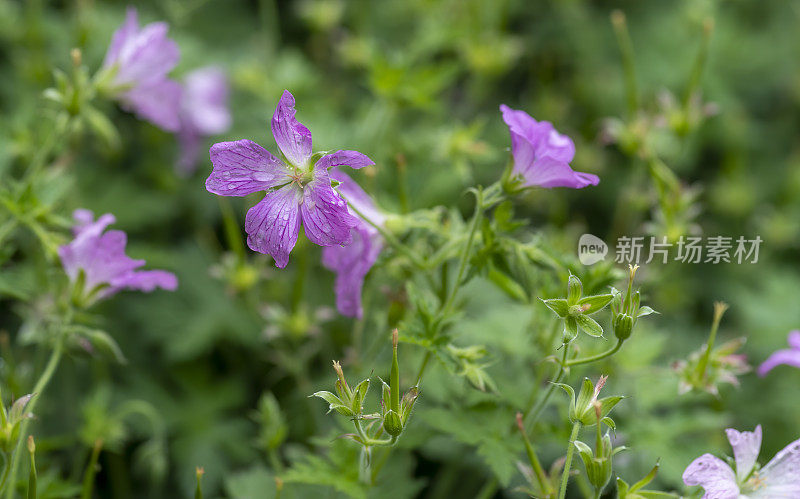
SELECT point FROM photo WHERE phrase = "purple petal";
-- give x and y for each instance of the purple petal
(122, 36)
(353, 159)
(293, 138)
(780, 478)
(549, 172)
(788, 357)
(157, 102)
(542, 136)
(326, 219)
(716, 477)
(746, 447)
(243, 167)
(146, 57)
(355, 196)
(351, 264)
(204, 102)
(147, 281)
(794, 340)
(273, 224)
(189, 141)
(85, 223)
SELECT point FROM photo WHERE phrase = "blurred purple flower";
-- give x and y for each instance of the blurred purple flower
(790, 356)
(778, 479)
(541, 154)
(296, 190)
(204, 112)
(352, 262)
(137, 64)
(99, 262)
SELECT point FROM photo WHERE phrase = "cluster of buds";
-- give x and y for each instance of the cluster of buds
(395, 411)
(708, 367)
(625, 311)
(10, 421)
(576, 309)
(587, 409)
(598, 463)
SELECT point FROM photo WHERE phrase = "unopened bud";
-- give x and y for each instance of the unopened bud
(574, 290)
(392, 423)
(623, 326)
(31, 444)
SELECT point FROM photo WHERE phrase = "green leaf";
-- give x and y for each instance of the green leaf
(595, 303)
(589, 325)
(622, 488)
(508, 285)
(101, 344)
(557, 305)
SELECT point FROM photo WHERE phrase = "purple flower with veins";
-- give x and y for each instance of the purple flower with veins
(98, 261)
(298, 188)
(352, 262)
(204, 112)
(790, 356)
(541, 154)
(779, 479)
(136, 67)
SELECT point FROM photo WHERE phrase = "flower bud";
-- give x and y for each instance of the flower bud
(392, 423)
(574, 290)
(623, 326)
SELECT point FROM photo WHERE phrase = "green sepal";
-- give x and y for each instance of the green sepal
(595, 303)
(557, 305)
(589, 325)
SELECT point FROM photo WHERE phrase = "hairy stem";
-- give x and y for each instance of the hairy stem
(594, 358)
(568, 463)
(41, 384)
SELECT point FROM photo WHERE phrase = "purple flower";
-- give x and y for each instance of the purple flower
(297, 189)
(352, 262)
(97, 260)
(790, 356)
(541, 154)
(778, 479)
(136, 67)
(204, 112)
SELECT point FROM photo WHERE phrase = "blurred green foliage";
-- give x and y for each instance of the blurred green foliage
(220, 371)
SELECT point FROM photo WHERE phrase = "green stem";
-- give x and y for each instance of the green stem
(424, 364)
(534, 412)
(541, 477)
(91, 470)
(719, 310)
(7, 467)
(594, 358)
(389, 237)
(488, 491)
(568, 463)
(41, 384)
(462, 264)
(626, 49)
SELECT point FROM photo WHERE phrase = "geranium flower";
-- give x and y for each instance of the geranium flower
(298, 189)
(136, 67)
(96, 261)
(790, 356)
(204, 112)
(352, 262)
(541, 154)
(779, 479)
